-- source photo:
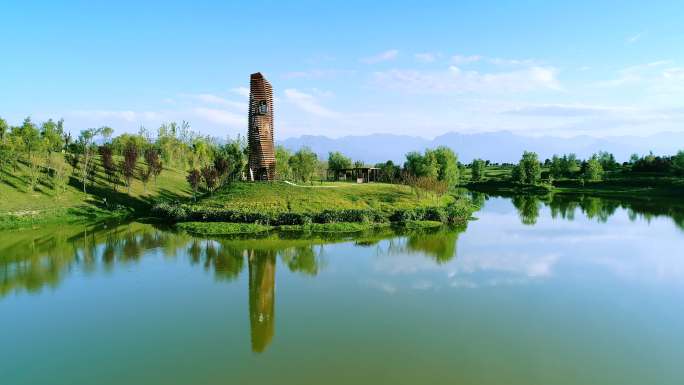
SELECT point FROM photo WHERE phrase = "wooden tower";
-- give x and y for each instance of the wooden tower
(260, 129)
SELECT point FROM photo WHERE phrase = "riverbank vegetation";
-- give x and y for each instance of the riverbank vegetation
(601, 174)
(178, 175)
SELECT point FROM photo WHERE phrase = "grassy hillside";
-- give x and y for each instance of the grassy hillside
(19, 204)
(282, 197)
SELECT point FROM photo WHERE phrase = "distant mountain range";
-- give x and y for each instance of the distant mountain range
(501, 146)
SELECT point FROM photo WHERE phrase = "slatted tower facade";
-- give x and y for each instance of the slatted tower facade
(260, 131)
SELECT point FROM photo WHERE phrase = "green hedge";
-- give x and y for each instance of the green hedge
(455, 212)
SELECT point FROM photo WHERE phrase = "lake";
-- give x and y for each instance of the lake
(571, 290)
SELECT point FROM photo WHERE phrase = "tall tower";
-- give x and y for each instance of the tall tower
(260, 131)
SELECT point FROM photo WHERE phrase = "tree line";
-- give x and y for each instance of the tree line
(531, 171)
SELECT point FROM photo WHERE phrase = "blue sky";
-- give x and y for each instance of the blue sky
(348, 68)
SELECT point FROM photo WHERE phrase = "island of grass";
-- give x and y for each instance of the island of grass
(321, 207)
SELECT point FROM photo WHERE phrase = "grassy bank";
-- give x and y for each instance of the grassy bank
(634, 186)
(338, 207)
(21, 207)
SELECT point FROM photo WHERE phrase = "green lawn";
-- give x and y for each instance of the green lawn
(18, 202)
(281, 197)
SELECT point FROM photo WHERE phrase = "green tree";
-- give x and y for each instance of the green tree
(283, 170)
(477, 168)
(337, 162)
(447, 165)
(557, 167)
(4, 129)
(28, 141)
(5, 149)
(87, 150)
(592, 169)
(678, 162)
(389, 172)
(235, 152)
(303, 164)
(528, 170)
(421, 165)
(607, 161)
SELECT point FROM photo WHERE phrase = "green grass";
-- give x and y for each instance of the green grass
(422, 224)
(281, 197)
(19, 206)
(340, 227)
(221, 228)
(328, 207)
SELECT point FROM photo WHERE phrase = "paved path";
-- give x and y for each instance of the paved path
(297, 185)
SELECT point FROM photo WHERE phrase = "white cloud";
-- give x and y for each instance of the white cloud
(426, 57)
(318, 74)
(221, 116)
(242, 91)
(308, 103)
(634, 38)
(125, 115)
(652, 72)
(513, 62)
(459, 59)
(461, 81)
(214, 99)
(381, 57)
(565, 110)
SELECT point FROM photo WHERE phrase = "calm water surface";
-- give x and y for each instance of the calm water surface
(571, 291)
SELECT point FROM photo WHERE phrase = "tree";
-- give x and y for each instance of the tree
(528, 170)
(592, 169)
(338, 162)
(303, 164)
(6, 148)
(283, 170)
(359, 164)
(447, 163)
(27, 140)
(477, 168)
(607, 161)
(235, 153)
(154, 164)
(4, 128)
(130, 159)
(222, 168)
(194, 177)
(389, 172)
(85, 144)
(145, 175)
(60, 178)
(106, 133)
(107, 160)
(678, 163)
(210, 176)
(419, 165)
(556, 168)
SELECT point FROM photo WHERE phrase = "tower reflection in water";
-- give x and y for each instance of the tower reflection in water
(262, 265)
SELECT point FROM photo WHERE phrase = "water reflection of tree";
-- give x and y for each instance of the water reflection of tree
(34, 259)
(599, 208)
(439, 244)
(528, 208)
